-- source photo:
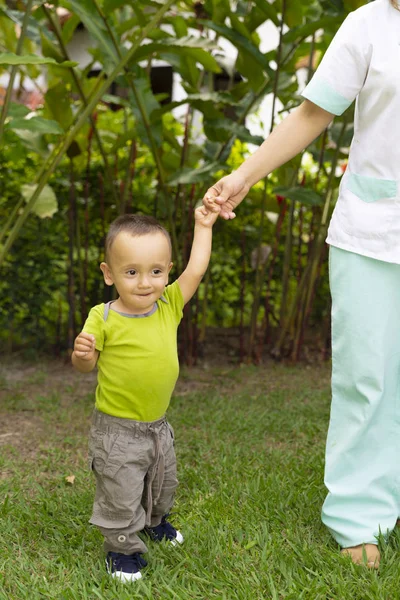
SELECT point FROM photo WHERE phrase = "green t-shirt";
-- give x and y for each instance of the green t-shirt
(138, 361)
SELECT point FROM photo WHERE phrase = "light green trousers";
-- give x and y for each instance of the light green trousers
(362, 470)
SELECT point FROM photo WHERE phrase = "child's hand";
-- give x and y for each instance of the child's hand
(85, 346)
(205, 217)
(226, 194)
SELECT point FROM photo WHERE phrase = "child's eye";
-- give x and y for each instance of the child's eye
(157, 271)
(131, 272)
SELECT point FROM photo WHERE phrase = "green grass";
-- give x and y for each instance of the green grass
(250, 445)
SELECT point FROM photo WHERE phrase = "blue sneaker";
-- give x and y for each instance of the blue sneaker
(165, 531)
(125, 567)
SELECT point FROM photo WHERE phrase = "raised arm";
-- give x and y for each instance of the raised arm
(291, 136)
(200, 254)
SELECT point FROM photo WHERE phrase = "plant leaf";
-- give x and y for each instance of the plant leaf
(185, 176)
(46, 203)
(9, 58)
(300, 194)
(219, 130)
(94, 24)
(37, 125)
(241, 43)
(188, 46)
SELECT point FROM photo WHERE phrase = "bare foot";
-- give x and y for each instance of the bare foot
(364, 554)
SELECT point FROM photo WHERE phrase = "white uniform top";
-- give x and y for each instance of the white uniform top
(363, 62)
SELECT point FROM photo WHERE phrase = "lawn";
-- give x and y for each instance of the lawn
(250, 445)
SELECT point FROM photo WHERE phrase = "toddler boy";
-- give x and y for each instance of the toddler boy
(133, 342)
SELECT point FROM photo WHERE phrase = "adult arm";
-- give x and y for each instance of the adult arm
(291, 136)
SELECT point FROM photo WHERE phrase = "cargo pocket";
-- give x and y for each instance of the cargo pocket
(171, 430)
(367, 206)
(91, 452)
(108, 455)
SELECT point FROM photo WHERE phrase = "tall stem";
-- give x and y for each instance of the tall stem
(14, 70)
(59, 152)
(155, 150)
(56, 28)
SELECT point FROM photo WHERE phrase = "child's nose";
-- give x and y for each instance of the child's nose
(143, 281)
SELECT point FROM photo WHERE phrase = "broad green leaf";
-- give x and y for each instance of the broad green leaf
(304, 31)
(51, 50)
(30, 140)
(180, 26)
(123, 138)
(87, 12)
(300, 194)
(269, 10)
(220, 130)
(69, 27)
(17, 110)
(128, 25)
(111, 5)
(254, 19)
(46, 203)
(111, 99)
(240, 42)
(186, 67)
(139, 14)
(58, 105)
(8, 58)
(187, 176)
(206, 103)
(170, 138)
(37, 125)
(145, 101)
(8, 37)
(240, 27)
(294, 13)
(34, 29)
(249, 68)
(218, 10)
(189, 47)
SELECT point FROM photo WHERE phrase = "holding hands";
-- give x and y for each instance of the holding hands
(205, 217)
(225, 195)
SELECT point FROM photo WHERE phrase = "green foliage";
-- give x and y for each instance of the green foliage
(31, 59)
(98, 147)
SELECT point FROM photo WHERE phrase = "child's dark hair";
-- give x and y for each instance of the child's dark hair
(136, 225)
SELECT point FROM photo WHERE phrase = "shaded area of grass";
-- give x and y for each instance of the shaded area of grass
(250, 445)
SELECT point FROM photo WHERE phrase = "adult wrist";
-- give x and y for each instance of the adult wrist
(243, 172)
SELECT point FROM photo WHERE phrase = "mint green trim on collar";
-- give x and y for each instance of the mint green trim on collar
(323, 95)
(371, 189)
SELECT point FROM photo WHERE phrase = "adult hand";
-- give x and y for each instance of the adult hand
(228, 193)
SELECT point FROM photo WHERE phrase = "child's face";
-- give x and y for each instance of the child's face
(138, 266)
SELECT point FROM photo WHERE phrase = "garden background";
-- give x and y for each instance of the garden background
(82, 141)
(81, 144)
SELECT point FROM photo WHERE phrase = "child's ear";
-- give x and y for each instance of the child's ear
(106, 273)
(171, 264)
